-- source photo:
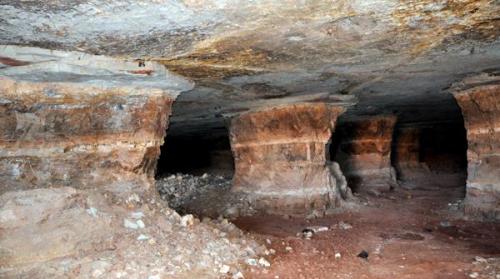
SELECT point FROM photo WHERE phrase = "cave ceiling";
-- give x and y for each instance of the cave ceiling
(374, 56)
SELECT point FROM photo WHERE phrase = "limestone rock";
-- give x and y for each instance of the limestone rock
(479, 99)
(280, 160)
(365, 153)
(73, 119)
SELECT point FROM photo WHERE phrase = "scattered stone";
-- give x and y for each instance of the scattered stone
(288, 249)
(137, 215)
(363, 255)
(224, 269)
(140, 224)
(130, 224)
(263, 262)
(142, 237)
(187, 220)
(445, 224)
(252, 262)
(307, 233)
(344, 226)
(92, 212)
(238, 275)
(474, 275)
(338, 256)
(480, 259)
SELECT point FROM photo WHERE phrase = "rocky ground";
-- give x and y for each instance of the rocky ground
(69, 233)
(417, 233)
(205, 195)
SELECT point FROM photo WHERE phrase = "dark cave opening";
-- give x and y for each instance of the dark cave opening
(196, 154)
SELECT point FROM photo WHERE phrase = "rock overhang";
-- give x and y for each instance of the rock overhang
(387, 53)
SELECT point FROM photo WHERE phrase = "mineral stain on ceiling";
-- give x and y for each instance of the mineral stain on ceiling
(378, 56)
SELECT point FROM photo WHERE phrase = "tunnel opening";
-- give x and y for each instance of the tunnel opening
(194, 172)
(196, 154)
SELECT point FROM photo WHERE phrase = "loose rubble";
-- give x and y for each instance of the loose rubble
(109, 238)
(205, 195)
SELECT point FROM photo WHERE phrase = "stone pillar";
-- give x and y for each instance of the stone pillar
(480, 106)
(407, 154)
(280, 158)
(80, 120)
(365, 153)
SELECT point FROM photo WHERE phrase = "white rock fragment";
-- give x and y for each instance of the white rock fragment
(154, 277)
(338, 256)
(140, 224)
(238, 275)
(130, 224)
(288, 249)
(92, 212)
(137, 215)
(252, 262)
(224, 269)
(263, 262)
(142, 237)
(474, 275)
(133, 198)
(187, 220)
(344, 226)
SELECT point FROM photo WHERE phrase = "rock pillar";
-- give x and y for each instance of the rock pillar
(480, 104)
(280, 158)
(407, 154)
(72, 119)
(365, 153)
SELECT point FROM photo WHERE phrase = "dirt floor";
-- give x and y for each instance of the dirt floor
(406, 233)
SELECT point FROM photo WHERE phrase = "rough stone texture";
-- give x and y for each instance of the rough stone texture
(365, 153)
(280, 158)
(72, 233)
(389, 53)
(407, 154)
(71, 119)
(479, 99)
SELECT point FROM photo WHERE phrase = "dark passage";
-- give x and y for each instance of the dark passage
(196, 155)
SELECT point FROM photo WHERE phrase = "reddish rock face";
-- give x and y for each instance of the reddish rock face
(365, 153)
(481, 109)
(80, 136)
(407, 154)
(280, 158)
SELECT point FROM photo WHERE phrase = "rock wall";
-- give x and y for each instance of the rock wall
(280, 158)
(71, 119)
(407, 154)
(479, 99)
(364, 153)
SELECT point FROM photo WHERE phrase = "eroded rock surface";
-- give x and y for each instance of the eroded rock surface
(365, 153)
(407, 154)
(72, 119)
(280, 158)
(479, 99)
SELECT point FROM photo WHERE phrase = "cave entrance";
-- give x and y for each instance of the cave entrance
(194, 172)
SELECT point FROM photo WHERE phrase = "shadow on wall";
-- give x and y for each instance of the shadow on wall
(196, 155)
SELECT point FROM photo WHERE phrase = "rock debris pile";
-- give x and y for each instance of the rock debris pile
(206, 195)
(109, 236)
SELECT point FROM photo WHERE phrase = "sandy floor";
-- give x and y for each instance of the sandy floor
(407, 234)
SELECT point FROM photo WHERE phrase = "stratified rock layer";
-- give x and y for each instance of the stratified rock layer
(480, 104)
(365, 153)
(71, 119)
(407, 154)
(280, 158)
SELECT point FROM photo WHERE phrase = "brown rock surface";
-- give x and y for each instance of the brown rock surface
(72, 119)
(365, 153)
(280, 158)
(479, 99)
(407, 154)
